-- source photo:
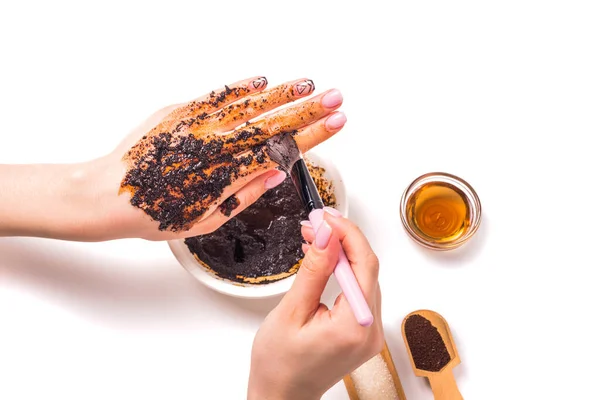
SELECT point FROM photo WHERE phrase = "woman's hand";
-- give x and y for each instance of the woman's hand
(185, 171)
(302, 347)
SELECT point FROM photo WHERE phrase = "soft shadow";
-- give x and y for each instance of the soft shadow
(158, 294)
(259, 307)
(461, 370)
(356, 209)
(395, 342)
(459, 256)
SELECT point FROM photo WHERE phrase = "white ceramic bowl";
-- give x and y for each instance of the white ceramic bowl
(237, 289)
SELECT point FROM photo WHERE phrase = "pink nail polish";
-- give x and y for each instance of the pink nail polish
(303, 88)
(306, 224)
(323, 235)
(316, 217)
(336, 121)
(332, 99)
(275, 180)
(332, 211)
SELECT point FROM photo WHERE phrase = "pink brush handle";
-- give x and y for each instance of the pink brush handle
(345, 277)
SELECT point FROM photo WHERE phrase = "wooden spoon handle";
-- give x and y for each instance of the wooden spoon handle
(444, 386)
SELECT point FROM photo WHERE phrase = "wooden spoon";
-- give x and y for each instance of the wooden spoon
(442, 382)
(391, 387)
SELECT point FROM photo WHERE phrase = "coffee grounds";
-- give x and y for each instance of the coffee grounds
(263, 243)
(177, 177)
(426, 344)
(324, 186)
(216, 99)
(230, 204)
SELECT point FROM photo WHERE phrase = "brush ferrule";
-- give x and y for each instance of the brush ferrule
(305, 186)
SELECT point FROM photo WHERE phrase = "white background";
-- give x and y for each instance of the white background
(504, 94)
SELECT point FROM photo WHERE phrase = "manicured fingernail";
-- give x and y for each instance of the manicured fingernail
(336, 121)
(258, 83)
(323, 235)
(303, 88)
(316, 217)
(332, 211)
(275, 180)
(332, 99)
(306, 224)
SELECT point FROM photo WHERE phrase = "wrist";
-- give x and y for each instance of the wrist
(85, 195)
(59, 201)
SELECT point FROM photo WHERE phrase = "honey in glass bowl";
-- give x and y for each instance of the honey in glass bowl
(440, 211)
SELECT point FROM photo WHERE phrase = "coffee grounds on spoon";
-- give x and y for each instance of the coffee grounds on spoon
(426, 345)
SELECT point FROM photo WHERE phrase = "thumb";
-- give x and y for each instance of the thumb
(304, 297)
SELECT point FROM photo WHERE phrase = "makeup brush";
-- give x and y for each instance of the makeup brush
(283, 150)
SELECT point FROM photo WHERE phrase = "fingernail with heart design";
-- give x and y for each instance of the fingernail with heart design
(303, 88)
(258, 83)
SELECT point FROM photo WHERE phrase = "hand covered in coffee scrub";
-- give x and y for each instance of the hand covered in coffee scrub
(185, 171)
(303, 348)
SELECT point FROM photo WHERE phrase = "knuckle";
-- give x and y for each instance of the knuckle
(352, 228)
(354, 338)
(310, 264)
(274, 124)
(353, 231)
(247, 197)
(372, 261)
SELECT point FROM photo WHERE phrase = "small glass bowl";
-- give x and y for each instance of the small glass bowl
(467, 193)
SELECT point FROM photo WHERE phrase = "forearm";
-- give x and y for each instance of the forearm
(52, 201)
